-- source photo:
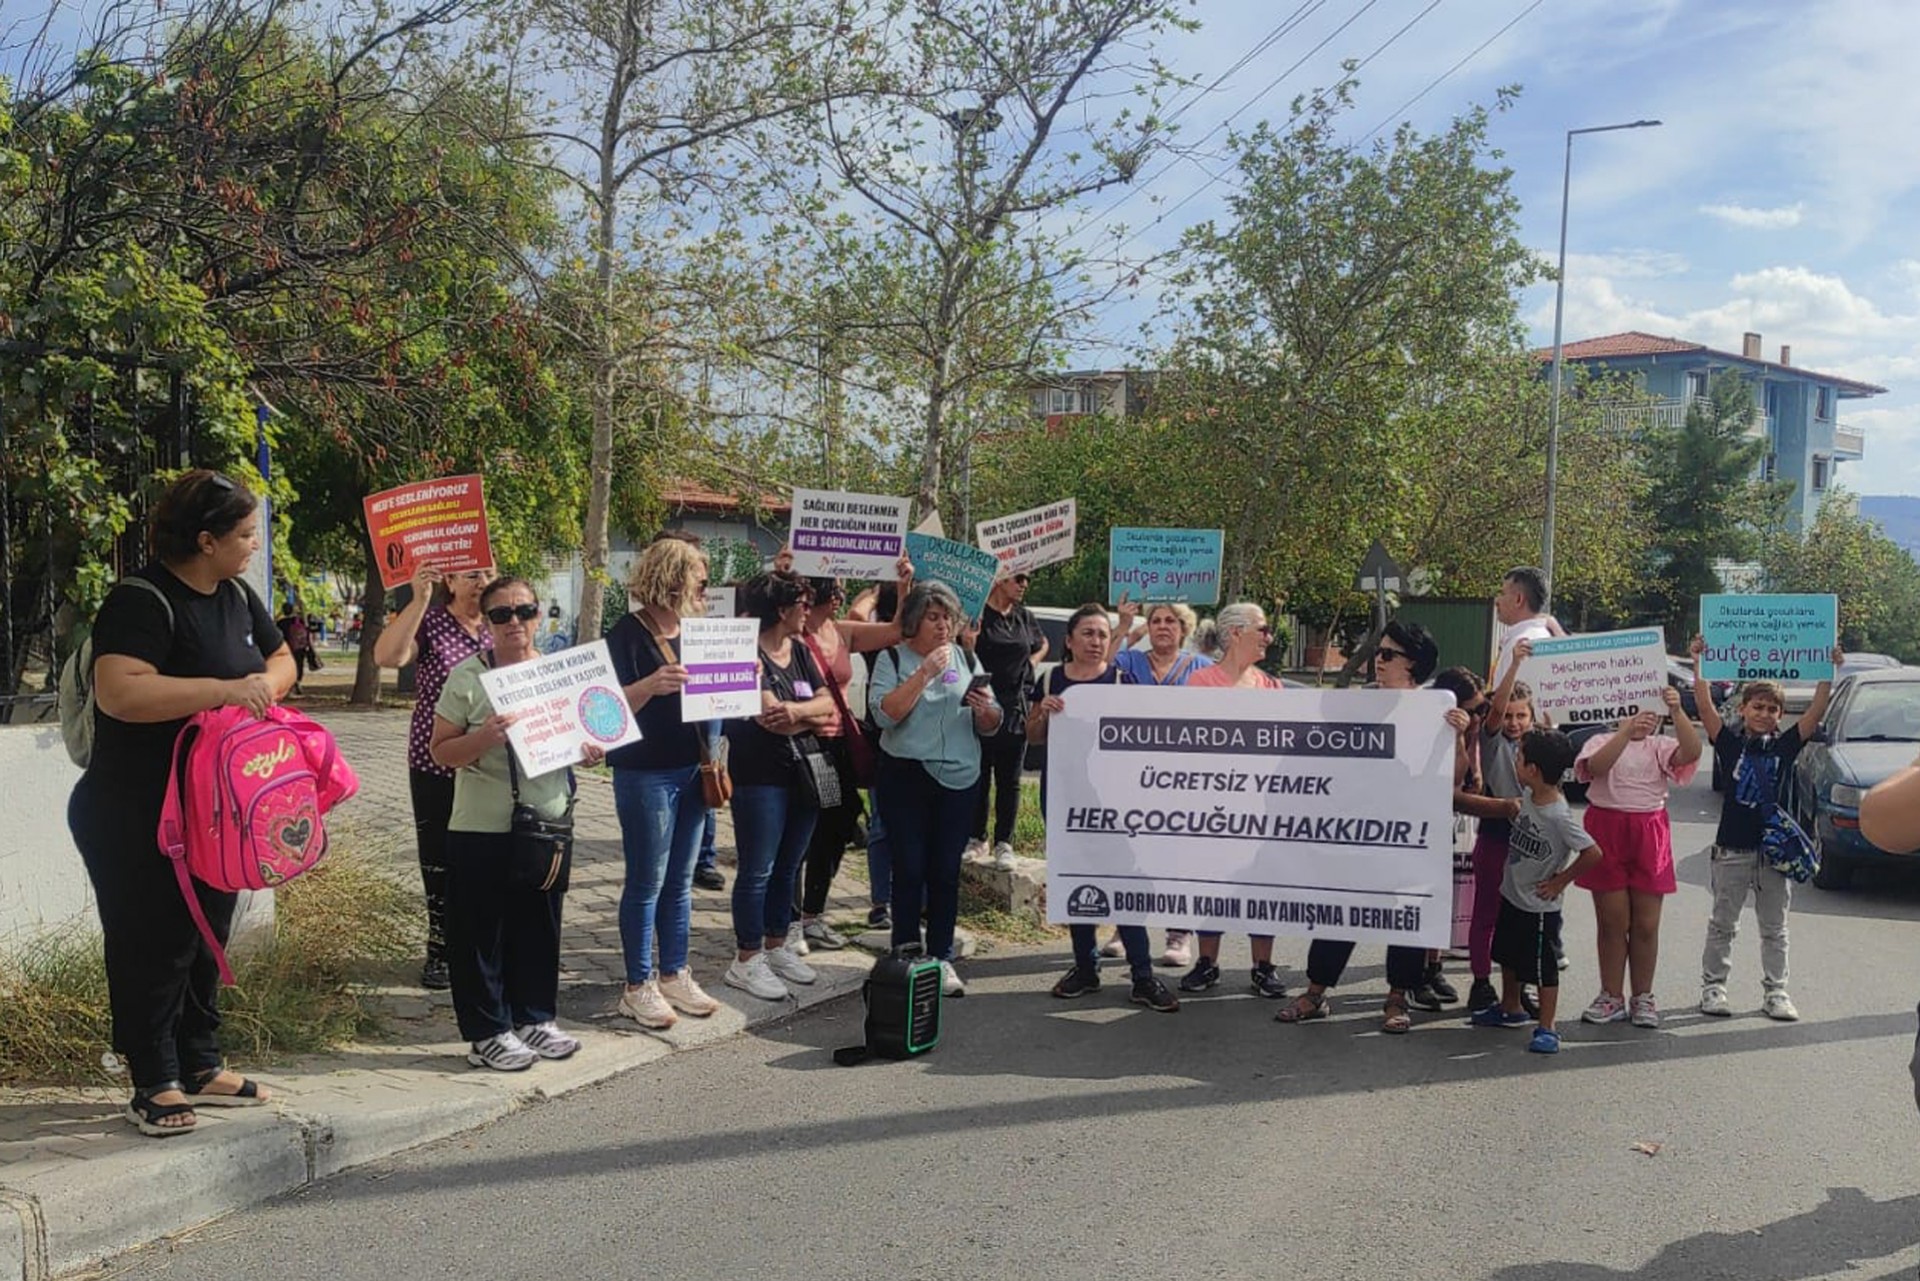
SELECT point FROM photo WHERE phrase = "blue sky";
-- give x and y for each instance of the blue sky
(1779, 196)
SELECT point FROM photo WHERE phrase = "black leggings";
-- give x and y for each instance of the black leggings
(1002, 758)
(432, 808)
(162, 983)
(1327, 961)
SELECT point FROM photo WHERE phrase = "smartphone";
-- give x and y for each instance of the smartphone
(981, 681)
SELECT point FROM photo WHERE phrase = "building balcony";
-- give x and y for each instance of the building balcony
(1849, 442)
(1671, 415)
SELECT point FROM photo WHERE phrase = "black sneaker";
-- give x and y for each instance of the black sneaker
(1266, 982)
(1530, 1000)
(1424, 997)
(434, 976)
(878, 918)
(709, 878)
(1077, 982)
(1482, 996)
(1153, 994)
(859, 839)
(1202, 976)
(1437, 980)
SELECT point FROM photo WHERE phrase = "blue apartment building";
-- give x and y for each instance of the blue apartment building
(1797, 410)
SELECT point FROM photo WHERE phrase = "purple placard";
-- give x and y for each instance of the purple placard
(722, 678)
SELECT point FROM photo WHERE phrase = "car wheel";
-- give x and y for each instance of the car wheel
(1833, 874)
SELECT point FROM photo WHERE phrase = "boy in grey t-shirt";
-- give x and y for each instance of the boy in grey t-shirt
(1546, 850)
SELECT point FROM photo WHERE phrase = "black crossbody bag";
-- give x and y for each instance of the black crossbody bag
(540, 853)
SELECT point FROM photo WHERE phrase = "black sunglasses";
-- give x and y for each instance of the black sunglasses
(500, 614)
(1385, 654)
(1480, 708)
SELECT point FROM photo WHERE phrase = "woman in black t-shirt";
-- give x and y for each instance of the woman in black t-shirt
(773, 809)
(187, 637)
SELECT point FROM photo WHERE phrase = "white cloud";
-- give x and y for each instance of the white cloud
(1756, 219)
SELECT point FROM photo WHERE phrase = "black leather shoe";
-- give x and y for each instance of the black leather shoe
(434, 976)
(709, 878)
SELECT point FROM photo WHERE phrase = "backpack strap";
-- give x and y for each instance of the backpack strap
(173, 843)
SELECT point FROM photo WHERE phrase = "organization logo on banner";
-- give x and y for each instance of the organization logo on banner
(1087, 900)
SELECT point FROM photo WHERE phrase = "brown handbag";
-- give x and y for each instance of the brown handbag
(716, 784)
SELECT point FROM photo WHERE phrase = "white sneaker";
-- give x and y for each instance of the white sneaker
(755, 978)
(1113, 946)
(647, 1006)
(788, 965)
(1003, 856)
(686, 996)
(547, 1040)
(976, 848)
(1779, 1005)
(1713, 1000)
(817, 933)
(1179, 953)
(503, 1053)
(950, 981)
(797, 938)
(1645, 1012)
(1606, 1008)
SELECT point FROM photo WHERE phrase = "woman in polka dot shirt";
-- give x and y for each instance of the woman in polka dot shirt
(439, 629)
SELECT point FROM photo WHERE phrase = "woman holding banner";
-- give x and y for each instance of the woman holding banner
(656, 785)
(439, 629)
(1239, 637)
(832, 642)
(503, 940)
(781, 781)
(934, 704)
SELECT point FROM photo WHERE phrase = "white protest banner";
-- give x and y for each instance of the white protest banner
(1598, 678)
(561, 703)
(1307, 812)
(722, 659)
(720, 602)
(841, 535)
(1027, 540)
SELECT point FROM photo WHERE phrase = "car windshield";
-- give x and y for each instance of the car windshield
(1883, 711)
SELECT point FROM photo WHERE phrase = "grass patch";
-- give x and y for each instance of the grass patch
(1030, 827)
(299, 992)
(984, 916)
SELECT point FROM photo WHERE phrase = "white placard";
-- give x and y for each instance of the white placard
(1598, 678)
(844, 535)
(1308, 812)
(561, 703)
(720, 602)
(1027, 540)
(722, 659)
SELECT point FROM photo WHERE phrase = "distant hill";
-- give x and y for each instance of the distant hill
(1898, 517)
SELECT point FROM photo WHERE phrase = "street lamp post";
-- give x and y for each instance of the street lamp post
(1559, 309)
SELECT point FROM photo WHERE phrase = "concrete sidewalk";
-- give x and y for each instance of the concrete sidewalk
(77, 1183)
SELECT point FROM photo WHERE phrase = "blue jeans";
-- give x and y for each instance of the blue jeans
(771, 828)
(927, 827)
(661, 813)
(879, 853)
(707, 858)
(1086, 949)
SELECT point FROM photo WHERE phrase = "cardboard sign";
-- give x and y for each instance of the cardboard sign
(842, 535)
(1326, 813)
(561, 703)
(1771, 638)
(720, 602)
(437, 522)
(722, 657)
(1026, 540)
(1157, 565)
(1600, 678)
(968, 570)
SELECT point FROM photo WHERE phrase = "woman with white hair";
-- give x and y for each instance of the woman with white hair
(1238, 637)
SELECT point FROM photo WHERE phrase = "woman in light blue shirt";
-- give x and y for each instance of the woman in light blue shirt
(932, 703)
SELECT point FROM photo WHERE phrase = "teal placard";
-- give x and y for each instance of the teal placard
(1154, 565)
(1775, 638)
(966, 569)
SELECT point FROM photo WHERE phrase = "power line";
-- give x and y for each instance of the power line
(1436, 82)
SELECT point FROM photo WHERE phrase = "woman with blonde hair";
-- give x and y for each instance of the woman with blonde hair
(656, 785)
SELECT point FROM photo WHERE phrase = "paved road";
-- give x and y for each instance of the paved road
(1088, 1140)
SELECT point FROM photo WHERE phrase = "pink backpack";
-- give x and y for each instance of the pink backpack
(244, 804)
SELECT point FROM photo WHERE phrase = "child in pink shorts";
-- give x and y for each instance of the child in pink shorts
(1628, 773)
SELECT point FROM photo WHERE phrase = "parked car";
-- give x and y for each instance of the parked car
(1680, 676)
(1870, 731)
(1799, 696)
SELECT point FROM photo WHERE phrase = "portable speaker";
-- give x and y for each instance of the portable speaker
(902, 996)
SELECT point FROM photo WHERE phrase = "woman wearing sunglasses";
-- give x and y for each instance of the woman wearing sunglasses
(439, 629)
(1238, 637)
(832, 642)
(503, 943)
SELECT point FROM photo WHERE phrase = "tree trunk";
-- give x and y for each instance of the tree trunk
(373, 620)
(594, 543)
(928, 500)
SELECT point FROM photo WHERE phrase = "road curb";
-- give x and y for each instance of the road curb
(80, 1203)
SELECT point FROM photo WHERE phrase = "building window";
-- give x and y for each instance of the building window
(1823, 404)
(1822, 466)
(1770, 469)
(1696, 384)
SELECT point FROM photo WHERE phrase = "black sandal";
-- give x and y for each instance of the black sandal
(247, 1096)
(1307, 1006)
(148, 1117)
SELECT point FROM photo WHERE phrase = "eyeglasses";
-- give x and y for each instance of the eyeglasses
(1266, 630)
(218, 481)
(1386, 655)
(502, 614)
(1480, 708)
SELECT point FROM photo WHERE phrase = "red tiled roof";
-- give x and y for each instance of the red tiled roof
(689, 495)
(1635, 343)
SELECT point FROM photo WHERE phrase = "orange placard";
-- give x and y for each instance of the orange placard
(438, 522)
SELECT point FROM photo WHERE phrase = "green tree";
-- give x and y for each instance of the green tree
(1876, 580)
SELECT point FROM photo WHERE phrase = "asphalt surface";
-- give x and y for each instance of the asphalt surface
(1090, 1139)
